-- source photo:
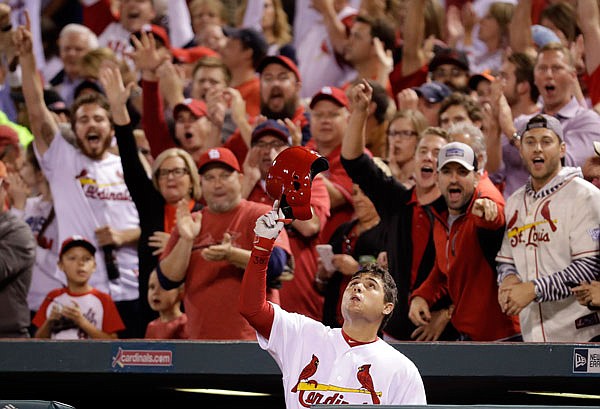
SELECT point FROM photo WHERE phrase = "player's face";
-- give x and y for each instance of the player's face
(554, 78)
(541, 151)
(135, 13)
(190, 130)
(363, 300)
(278, 88)
(402, 140)
(93, 130)
(78, 265)
(328, 122)
(159, 299)
(206, 79)
(426, 160)
(221, 188)
(457, 185)
(174, 180)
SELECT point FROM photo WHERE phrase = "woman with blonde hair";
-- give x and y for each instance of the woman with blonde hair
(269, 17)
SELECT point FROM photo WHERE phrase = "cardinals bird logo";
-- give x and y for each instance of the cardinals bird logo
(364, 377)
(308, 371)
(545, 212)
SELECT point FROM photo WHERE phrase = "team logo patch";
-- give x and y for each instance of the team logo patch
(455, 152)
(594, 233)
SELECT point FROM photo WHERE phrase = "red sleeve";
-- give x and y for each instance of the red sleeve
(433, 288)
(253, 303)
(153, 120)
(593, 83)
(41, 314)
(97, 16)
(112, 321)
(399, 82)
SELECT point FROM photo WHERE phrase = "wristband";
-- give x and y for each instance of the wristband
(263, 243)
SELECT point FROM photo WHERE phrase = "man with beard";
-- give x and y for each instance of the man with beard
(90, 195)
(298, 295)
(280, 86)
(210, 249)
(408, 213)
(467, 237)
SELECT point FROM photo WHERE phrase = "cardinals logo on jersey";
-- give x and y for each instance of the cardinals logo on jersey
(364, 377)
(308, 371)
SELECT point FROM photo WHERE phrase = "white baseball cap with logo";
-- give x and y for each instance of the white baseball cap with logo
(456, 152)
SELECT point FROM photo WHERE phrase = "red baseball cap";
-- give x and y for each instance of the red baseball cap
(8, 136)
(218, 155)
(159, 32)
(281, 60)
(193, 54)
(195, 106)
(76, 241)
(331, 93)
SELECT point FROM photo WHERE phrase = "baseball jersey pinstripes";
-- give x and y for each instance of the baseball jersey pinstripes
(544, 234)
(319, 367)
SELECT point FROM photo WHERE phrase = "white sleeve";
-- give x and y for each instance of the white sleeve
(180, 23)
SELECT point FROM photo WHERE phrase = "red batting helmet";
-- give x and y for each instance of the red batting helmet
(289, 180)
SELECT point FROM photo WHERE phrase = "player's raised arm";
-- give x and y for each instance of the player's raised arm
(253, 303)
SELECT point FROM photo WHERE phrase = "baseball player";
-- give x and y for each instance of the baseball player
(321, 365)
(551, 241)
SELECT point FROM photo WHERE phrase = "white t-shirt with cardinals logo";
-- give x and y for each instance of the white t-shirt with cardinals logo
(88, 194)
(320, 367)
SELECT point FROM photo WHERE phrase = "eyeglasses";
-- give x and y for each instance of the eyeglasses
(176, 172)
(441, 73)
(269, 145)
(402, 133)
(269, 79)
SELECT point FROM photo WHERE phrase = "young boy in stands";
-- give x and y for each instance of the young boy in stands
(78, 311)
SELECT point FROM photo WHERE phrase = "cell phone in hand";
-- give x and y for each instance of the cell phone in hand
(326, 254)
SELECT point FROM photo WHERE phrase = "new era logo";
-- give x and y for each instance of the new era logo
(580, 360)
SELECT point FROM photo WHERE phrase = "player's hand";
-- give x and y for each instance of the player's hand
(433, 330)
(419, 312)
(269, 225)
(485, 208)
(188, 224)
(158, 241)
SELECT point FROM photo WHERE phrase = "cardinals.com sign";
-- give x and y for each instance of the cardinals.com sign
(586, 360)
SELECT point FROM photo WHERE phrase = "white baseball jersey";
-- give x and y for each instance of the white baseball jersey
(88, 194)
(545, 232)
(319, 367)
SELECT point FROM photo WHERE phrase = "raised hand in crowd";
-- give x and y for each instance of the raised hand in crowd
(407, 99)
(146, 57)
(158, 240)
(18, 190)
(188, 224)
(171, 83)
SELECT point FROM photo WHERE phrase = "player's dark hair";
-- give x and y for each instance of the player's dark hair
(389, 286)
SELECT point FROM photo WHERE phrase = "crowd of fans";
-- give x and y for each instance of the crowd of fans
(136, 137)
